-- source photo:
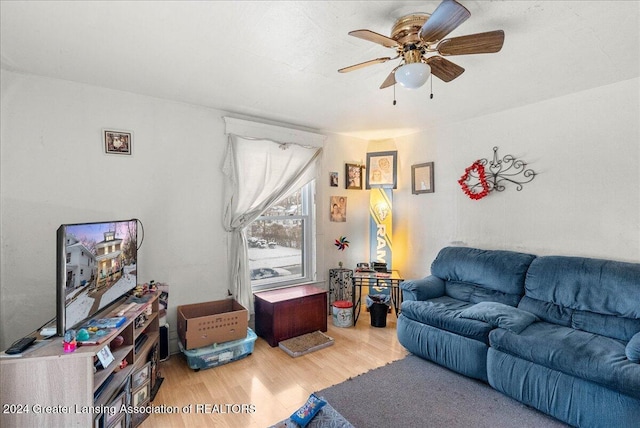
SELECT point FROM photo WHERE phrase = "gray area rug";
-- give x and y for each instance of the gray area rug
(413, 392)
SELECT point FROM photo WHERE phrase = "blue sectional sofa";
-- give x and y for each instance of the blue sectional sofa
(560, 334)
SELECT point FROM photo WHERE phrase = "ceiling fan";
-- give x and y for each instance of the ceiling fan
(416, 36)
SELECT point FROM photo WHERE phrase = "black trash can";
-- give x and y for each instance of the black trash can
(378, 308)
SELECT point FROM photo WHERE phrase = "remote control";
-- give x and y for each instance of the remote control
(20, 345)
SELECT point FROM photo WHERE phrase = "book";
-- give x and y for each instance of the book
(103, 386)
(140, 341)
(113, 322)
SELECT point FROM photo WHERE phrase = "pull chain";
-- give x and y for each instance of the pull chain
(430, 95)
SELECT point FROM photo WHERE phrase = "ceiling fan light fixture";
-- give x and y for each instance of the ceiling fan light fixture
(414, 75)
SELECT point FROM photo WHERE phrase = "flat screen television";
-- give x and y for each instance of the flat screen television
(96, 265)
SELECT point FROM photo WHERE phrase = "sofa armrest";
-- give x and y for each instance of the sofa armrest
(422, 289)
(633, 348)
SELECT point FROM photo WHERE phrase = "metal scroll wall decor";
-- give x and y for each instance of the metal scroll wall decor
(485, 176)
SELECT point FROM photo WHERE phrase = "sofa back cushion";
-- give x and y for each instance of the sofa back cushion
(475, 275)
(605, 325)
(547, 311)
(594, 295)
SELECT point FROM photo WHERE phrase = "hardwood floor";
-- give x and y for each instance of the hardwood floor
(270, 383)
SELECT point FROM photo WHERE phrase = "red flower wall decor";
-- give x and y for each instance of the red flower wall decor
(475, 171)
(484, 176)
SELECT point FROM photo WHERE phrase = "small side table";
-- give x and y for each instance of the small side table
(377, 280)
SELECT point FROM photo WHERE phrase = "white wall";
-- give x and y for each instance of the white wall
(585, 200)
(339, 151)
(54, 171)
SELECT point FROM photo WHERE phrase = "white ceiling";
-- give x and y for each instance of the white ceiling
(278, 60)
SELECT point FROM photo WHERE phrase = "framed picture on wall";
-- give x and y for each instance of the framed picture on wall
(333, 179)
(382, 169)
(353, 176)
(422, 178)
(117, 142)
(338, 206)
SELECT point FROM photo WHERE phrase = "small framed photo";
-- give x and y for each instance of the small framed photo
(142, 395)
(422, 178)
(353, 176)
(105, 356)
(382, 169)
(111, 416)
(117, 142)
(119, 422)
(333, 179)
(141, 376)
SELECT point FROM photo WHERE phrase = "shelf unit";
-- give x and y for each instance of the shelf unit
(47, 387)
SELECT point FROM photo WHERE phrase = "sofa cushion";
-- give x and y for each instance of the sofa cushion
(578, 353)
(500, 315)
(600, 286)
(497, 270)
(632, 350)
(474, 294)
(605, 325)
(444, 313)
(547, 311)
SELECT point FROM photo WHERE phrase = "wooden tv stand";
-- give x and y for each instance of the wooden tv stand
(289, 312)
(47, 387)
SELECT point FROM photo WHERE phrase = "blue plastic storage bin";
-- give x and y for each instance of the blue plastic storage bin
(219, 353)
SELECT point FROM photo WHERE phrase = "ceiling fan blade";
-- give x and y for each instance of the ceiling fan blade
(363, 64)
(390, 80)
(446, 18)
(374, 37)
(488, 42)
(444, 69)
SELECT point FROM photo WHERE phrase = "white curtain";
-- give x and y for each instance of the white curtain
(258, 172)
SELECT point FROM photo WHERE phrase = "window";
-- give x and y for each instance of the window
(281, 242)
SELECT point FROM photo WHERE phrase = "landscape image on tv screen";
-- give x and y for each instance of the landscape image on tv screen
(100, 266)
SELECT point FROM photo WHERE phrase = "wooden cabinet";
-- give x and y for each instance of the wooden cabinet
(47, 387)
(289, 312)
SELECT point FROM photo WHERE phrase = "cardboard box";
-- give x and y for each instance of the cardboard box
(203, 324)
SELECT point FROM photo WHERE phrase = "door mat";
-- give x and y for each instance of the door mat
(306, 343)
